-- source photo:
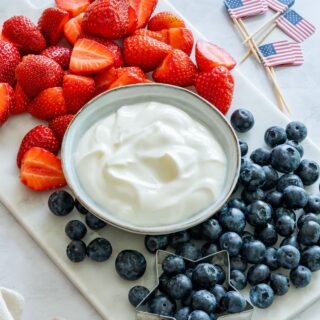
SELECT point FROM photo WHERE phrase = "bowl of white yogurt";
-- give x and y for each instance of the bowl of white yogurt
(151, 158)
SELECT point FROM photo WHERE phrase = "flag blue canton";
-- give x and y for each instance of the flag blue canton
(292, 17)
(267, 50)
(232, 4)
(288, 3)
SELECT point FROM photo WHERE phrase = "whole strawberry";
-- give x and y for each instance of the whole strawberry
(60, 124)
(216, 86)
(9, 59)
(6, 102)
(59, 54)
(24, 34)
(36, 73)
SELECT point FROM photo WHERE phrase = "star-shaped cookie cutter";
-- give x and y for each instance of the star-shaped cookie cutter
(221, 258)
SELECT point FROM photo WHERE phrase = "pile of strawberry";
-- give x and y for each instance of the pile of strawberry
(53, 82)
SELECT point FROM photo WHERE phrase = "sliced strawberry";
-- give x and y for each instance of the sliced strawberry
(127, 79)
(208, 56)
(48, 104)
(132, 20)
(21, 100)
(72, 29)
(89, 57)
(216, 86)
(51, 24)
(59, 54)
(24, 34)
(74, 7)
(152, 34)
(60, 124)
(33, 74)
(6, 101)
(144, 10)
(179, 38)
(177, 69)
(165, 20)
(9, 59)
(41, 170)
(40, 136)
(144, 52)
(77, 91)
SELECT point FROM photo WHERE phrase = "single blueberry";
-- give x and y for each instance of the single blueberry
(261, 296)
(279, 283)
(75, 230)
(300, 276)
(253, 251)
(173, 265)
(238, 279)
(307, 217)
(199, 315)
(163, 282)
(81, 209)
(292, 241)
(76, 250)
(233, 220)
(267, 234)
(285, 158)
(203, 300)
(218, 291)
(189, 251)
(250, 196)
(252, 176)
(313, 204)
(209, 248)
(237, 203)
(258, 213)
(183, 313)
(130, 264)
(196, 232)
(295, 197)
(274, 198)
(205, 275)
(309, 233)
(285, 226)
(93, 222)
(283, 212)
(211, 229)
(179, 287)
(275, 136)
(259, 273)
(247, 236)
(296, 145)
(297, 131)
(308, 171)
(99, 249)
(288, 257)
(272, 177)
(153, 243)
(163, 306)
(61, 203)
(179, 238)
(261, 156)
(242, 120)
(310, 258)
(243, 147)
(238, 263)
(270, 259)
(288, 180)
(231, 242)
(233, 302)
(137, 294)
(221, 276)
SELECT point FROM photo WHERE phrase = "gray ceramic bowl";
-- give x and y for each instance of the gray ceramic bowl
(198, 108)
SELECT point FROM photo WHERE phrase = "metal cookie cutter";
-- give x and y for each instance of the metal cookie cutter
(221, 258)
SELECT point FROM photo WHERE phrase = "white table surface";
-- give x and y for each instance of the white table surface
(27, 269)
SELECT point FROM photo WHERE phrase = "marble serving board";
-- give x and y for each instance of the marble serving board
(99, 282)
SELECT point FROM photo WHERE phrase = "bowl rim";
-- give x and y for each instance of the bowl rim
(166, 229)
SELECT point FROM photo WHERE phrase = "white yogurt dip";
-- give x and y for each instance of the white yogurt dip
(151, 164)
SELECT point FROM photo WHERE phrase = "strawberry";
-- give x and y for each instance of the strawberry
(108, 18)
(51, 24)
(9, 59)
(48, 104)
(165, 20)
(40, 136)
(89, 56)
(144, 52)
(36, 73)
(179, 38)
(152, 34)
(110, 45)
(21, 100)
(59, 54)
(144, 10)
(41, 170)
(216, 86)
(132, 20)
(2, 37)
(72, 29)
(60, 124)
(77, 91)
(208, 56)
(74, 7)
(177, 69)
(6, 101)
(24, 34)
(126, 79)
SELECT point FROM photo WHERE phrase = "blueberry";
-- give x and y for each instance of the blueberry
(308, 171)
(272, 177)
(76, 250)
(267, 234)
(199, 315)
(285, 158)
(205, 275)
(209, 248)
(154, 243)
(288, 257)
(261, 296)
(238, 279)
(233, 302)
(221, 276)
(307, 217)
(81, 209)
(238, 263)
(245, 162)
(283, 212)
(189, 251)
(253, 251)
(310, 258)
(258, 213)
(93, 222)
(173, 265)
(61, 203)
(183, 313)
(211, 230)
(274, 198)
(274, 136)
(250, 196)
(137, 294)
(279, 283)
(247, 236)
(261, 156)
(231, 242)
(163, 306)
(289, 180)
(99, 250)
(237, 203)
(242, 120)
(243, 147)
(292, 240)
(300, 276)
(75, 230)
(259, 273)
(179, 287)
(203, 300)
(196, 232)
(233, 220)
(297, 131)
(309, 234)
(163, 282)
(313, 204)
(285, 226)
(179, 238)
(270, 258)
(130, 264)
(295, 197)
(252, 176)
(218, 291)
(296, 145)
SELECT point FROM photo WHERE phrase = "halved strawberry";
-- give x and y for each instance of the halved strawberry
(60, 124)
(40, 136)
(72, 29)
(59, 54)
(74, 7)
(132, 20)
(6, 101)
(144, 10)
(179, 38)
(41, 170)
(51, 24)
(126, 79)
(152, 34)
(208, 56)
(89, 57)
(165, 20)
(77, 91)
(144, 52)
(48, 104)
(21, 100)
